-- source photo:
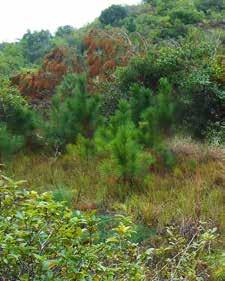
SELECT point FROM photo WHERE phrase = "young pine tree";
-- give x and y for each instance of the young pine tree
(124, 156)
(9, 144)
(157, 120)
(140, 99)
(73, 112)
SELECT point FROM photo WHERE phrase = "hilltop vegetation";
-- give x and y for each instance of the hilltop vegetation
(125, 115)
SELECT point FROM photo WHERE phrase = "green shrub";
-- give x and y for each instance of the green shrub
(218, 266)
(15, 111)
(118, 141)
(216, 133)
(84, 149)
(209, 5)
(140, 98)
(9, 144)
(73, 112)
(11, 58)
(186, 16)
(43, 240)
(184, 253)
(157, 120)
(36, 45)
(113, 15)
(189, 69)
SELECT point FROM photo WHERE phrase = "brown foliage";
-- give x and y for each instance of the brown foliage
(41, 85)
(105, 51)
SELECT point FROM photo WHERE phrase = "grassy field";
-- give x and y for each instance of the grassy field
(194, 188)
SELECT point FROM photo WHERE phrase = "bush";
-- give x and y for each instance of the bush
(140, 98)
(157, 120)
(118, 141)
(209, 5)
(15, 111)
(184, 253)
(113, 15)
(190, 70)
(43, 240)
(36, 45)
(9, 144)
(73, 112)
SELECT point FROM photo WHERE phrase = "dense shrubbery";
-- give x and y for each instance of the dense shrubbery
(15, 111)
(199, 100)
(43, 240)
(150, 72)
(36, 45)
(17, 121)
(113, 15)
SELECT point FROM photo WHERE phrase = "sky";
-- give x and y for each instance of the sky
(17, 16)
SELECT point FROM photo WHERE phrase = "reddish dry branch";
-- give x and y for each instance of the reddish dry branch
(104, 51)
(40, 85)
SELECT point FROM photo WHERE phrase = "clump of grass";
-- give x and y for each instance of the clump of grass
(63, 194)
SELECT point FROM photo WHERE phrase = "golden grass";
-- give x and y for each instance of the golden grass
(193, 189)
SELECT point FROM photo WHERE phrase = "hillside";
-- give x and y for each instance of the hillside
(118, 129)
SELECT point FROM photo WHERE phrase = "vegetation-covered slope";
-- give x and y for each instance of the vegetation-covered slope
(124, 115)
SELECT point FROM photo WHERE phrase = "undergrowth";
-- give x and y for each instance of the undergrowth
(192, 188)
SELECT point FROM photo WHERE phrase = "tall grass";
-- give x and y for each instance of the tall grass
(193, 189)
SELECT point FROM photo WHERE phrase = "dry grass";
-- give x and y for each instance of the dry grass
(50, 174)
(194, 188)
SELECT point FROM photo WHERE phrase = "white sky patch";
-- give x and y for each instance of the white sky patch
(17, 16)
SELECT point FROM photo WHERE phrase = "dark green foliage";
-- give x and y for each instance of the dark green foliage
(140, 99)
(68, 35)
(15, 112)
(129, 24)
(210, 5)
(202, 103)
(190, 71)
(139, 70)
(73, 112)
(36, 45)
(64, 31)
(157, 119)
(187, 16)
(113, 15)
(216, 133)
(119, 142)
(164, 107)
(43, 240)
(11, 58)
(9, 144)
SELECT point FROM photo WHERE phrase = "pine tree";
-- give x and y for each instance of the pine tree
(73, 112)
(157, 120)
(118, 141)
(9, 144)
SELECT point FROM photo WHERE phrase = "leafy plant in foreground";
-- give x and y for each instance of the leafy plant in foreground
(183, 254)
(43, 240)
